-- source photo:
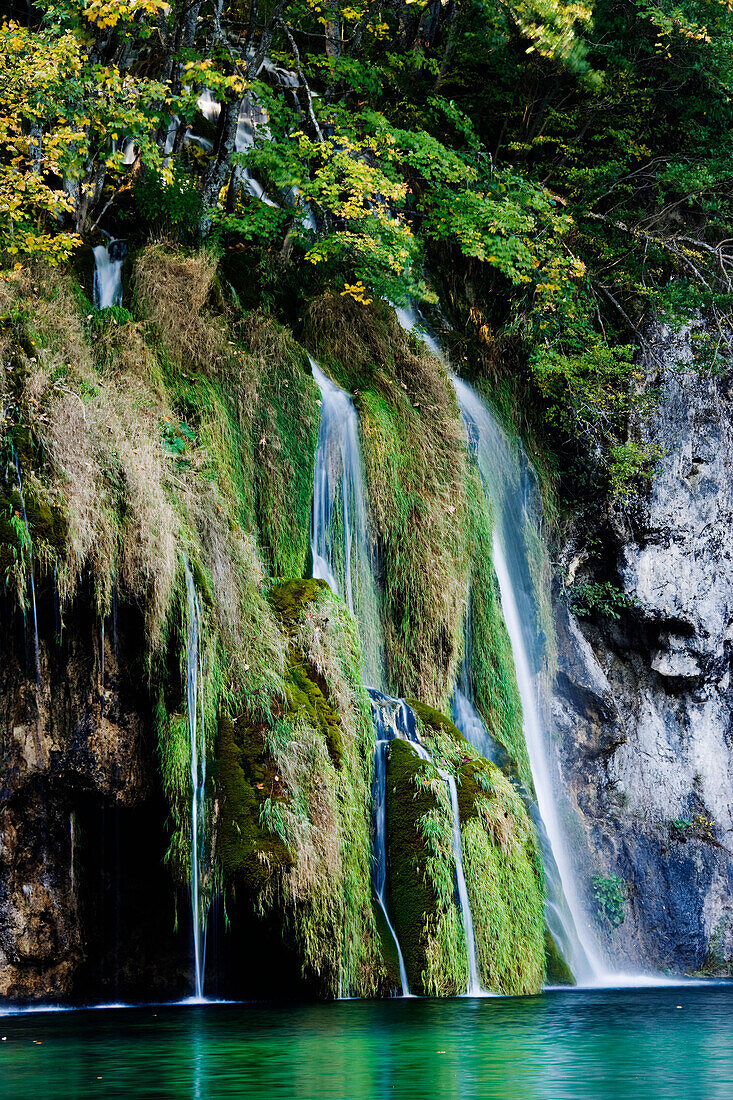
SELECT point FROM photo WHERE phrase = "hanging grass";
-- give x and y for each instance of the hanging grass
(501, 861)
(494, 683)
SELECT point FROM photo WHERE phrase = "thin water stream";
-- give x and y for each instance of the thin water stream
(196, 729)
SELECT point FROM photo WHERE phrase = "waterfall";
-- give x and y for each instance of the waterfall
(339, 539)
(341, 555)
(108, 273)
(474, 984)
(196, 729)
(507, 489)
(394, 718)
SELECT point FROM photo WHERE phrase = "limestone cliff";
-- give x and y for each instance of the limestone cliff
(643, 704)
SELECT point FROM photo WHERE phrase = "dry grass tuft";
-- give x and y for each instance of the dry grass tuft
(171, 291)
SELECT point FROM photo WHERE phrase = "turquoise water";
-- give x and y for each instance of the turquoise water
(656, 1044)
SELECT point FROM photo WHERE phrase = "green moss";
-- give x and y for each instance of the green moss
(306, 697)
(558, 971)
(437, 722)
(421, 888)
(290, 598)
(504, 879)
(243, 778)
(323, 749)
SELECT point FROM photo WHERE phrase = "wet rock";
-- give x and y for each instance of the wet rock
(86, 908)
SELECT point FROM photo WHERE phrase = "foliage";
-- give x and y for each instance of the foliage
(566, 166)
(170, 206)
(602, 597)
(609, 894)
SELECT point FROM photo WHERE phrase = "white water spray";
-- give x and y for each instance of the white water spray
(196, 729)
(108, 274)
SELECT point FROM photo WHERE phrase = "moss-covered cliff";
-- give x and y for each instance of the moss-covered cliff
(177, 438)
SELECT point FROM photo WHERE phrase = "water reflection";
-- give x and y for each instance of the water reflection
(662, 1044)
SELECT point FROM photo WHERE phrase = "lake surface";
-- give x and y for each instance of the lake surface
(669, 1043)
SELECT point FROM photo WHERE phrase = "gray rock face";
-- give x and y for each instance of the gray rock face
(643, 708)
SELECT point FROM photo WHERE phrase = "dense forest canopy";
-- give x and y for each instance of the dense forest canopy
(550, 174)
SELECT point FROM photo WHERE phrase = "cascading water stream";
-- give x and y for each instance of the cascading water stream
(394, 718)
(339, 539)
(340, 545)
(196, 729)
(507, 495)
(108, 260)
(474, 984)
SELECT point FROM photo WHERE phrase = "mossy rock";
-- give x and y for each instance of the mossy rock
(558, 971)
(288, 599)
(243, 778)
(411, 896)
(436, 721)
(306, 689)
(305, 693)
